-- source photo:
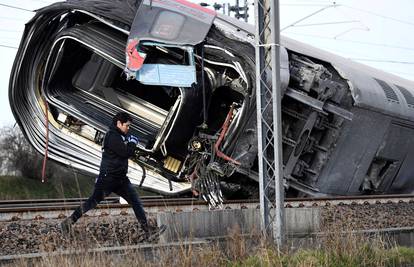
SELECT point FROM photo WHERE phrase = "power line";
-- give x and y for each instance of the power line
(7, 46)
(345, 14)
(8, 38)
(379, 15)
(354, 41)
(346, 53)
(9, 18)
(46, 2)
(4, 30)
(303, 5)
(326, 23)
(383, 60)
(393, 71)
(308, 16)
(327, 2)
(15, 7)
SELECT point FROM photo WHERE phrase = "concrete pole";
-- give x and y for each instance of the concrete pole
(269, 123)
(278, 230)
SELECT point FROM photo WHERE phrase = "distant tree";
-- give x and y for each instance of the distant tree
(17, 155)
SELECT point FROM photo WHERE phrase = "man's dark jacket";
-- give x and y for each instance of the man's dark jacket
(115, 153)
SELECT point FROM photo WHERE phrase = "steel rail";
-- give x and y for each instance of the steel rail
(154, 204)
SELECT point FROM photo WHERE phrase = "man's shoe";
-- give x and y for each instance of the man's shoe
(150, 235)
(66, 225)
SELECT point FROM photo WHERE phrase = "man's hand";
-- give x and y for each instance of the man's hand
(133, 139)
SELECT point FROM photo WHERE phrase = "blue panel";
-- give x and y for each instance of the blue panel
(169, 75)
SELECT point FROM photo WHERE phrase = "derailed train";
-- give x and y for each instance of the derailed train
(187, 77)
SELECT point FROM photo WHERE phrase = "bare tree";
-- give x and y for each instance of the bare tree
(17, 155)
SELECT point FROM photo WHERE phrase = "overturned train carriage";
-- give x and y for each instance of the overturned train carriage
(189, 84)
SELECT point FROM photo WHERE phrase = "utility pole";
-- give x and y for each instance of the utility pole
(269, 122)
(241, 12)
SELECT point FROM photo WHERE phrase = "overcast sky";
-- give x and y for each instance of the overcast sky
(377, 33)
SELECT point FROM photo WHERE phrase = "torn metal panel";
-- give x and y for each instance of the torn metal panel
(175, 22)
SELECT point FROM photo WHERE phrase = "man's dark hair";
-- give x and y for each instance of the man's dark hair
(122, 117)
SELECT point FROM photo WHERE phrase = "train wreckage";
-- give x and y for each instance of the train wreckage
(187, 77)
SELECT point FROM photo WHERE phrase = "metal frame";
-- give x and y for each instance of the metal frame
(269, 122)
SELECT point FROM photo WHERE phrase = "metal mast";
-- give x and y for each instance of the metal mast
(269, 123)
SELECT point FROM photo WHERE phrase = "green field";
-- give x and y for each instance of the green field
(14, 187)
(75, 186)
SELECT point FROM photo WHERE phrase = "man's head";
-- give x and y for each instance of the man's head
(122, 120)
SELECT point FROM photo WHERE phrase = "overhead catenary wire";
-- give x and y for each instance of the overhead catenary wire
(4, 38)
(308, 16)
(400, 72)
(46, 2)
(353, 41)
(10, 18)
(15, 7)
(333, 3)
(326, 23)
(383, 60)
(379, 15)
(303, 5)
(327, 2)
(8, 46)
(7, 30)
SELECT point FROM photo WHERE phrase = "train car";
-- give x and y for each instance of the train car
(187, 77)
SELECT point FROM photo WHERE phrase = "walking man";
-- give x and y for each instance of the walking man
(117, 147)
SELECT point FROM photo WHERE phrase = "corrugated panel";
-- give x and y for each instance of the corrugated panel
(389, 92)
(407, 95)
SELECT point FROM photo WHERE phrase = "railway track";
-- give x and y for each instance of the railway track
(12, 210)
(30, 226)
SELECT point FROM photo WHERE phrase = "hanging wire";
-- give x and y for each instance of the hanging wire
(204, 125)
(44, 178)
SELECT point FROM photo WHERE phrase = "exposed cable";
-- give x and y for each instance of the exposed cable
(203, 82)
(44, 178)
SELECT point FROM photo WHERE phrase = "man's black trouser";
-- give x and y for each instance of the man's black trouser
(103, 187)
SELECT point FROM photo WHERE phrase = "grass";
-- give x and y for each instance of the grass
(71, 186)
(396, 256)
(238, 251)
(335, 248)
(14, 187)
